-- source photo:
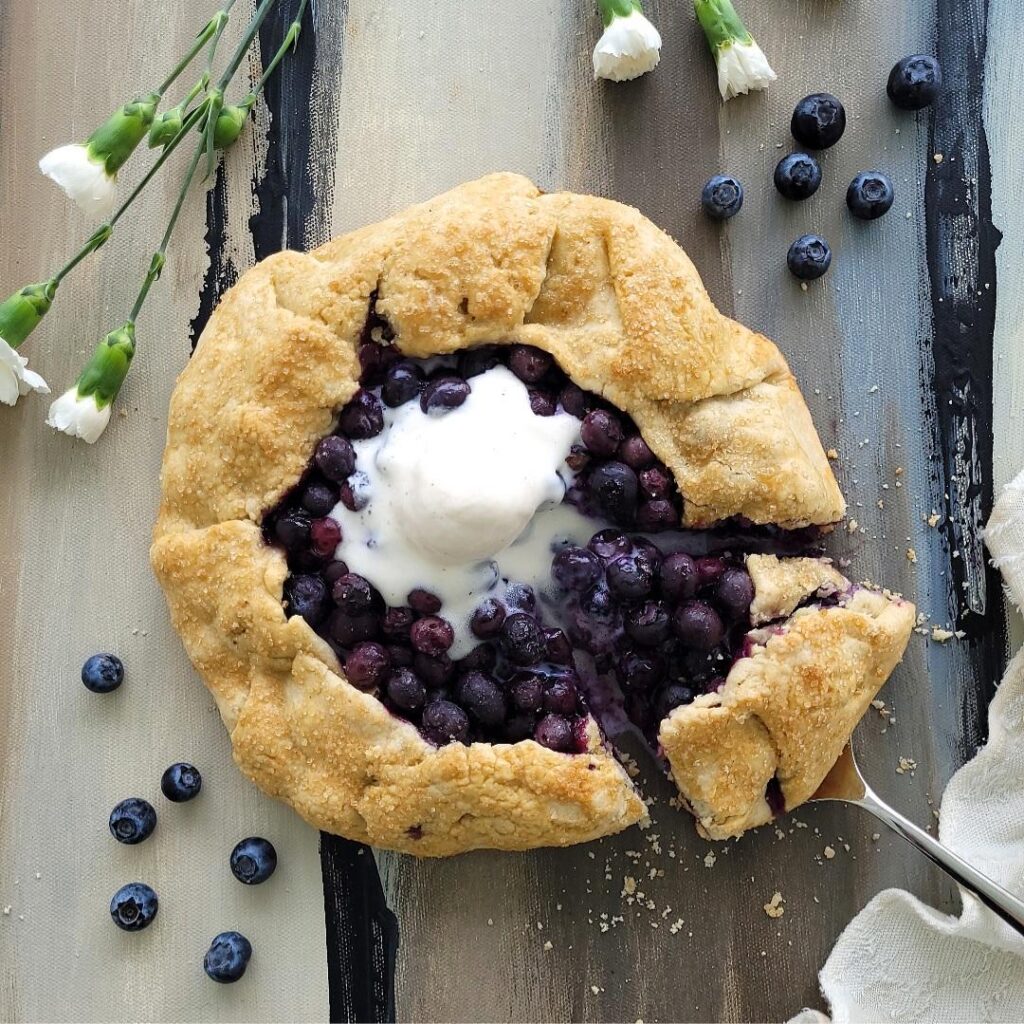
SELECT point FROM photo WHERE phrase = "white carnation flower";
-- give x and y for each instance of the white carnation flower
(16, 379)
(83, 177)
(629, 47)
(79, 416)
(742, 67)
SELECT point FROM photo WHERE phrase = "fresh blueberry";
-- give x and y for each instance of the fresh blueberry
(555, 733)
(673, 696)
(679, 576)
(575, 568)
(722, 197)
(307, 596)
(335, 458)
(318, 498)
(481, 696)
(522, 639)
(403, 383)
(631, 577)
(809, 257)
(647, 624)
(181, 782)
(423, 602)
(698, 625)
(132, 820)
(529, 364)
(613, 486)
(870, 195)
(227, 957)
(819, 121)
(601, 432)
(103, 673)
(487, 619)
(444, 394)
(915, 82)
(797, 176)
(362, 417)
(656, 515)
(444, 722)
(735, 592)
(636, 453)
(134, 906)
(367, 664)
(253, 860)
(432, 635)
(406, 690)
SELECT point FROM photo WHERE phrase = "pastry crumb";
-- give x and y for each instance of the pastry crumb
(933, 520)
(774, 907)
(938, 157)
(912, 556)
(852, 526)
(940, 635)
(906, 766)
(709, 859)
(829, 852)
(832, 454)
(548, 946)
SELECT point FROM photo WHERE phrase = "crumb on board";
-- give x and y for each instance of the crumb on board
(832, 454)
(709, 859)
(938, 157)
(829, 852)
(933, 519)
(912, 556)
(940, 635)
(548, 946)
(774, 908)
(906, 766)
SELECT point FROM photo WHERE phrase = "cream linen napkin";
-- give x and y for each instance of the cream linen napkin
(900, 959)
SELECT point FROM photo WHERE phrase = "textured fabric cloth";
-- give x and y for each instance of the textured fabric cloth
(900, 959)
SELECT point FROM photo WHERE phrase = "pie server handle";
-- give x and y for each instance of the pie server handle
(993, 895)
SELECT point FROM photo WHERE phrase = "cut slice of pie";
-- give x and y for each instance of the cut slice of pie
(453, 499)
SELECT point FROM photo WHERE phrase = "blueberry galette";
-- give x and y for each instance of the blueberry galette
(454, 500)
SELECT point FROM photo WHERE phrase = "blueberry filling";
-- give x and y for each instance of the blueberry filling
(661, 618)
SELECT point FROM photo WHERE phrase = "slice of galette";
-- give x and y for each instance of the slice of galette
(452, 500)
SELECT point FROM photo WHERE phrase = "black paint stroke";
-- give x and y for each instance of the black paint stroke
(221, 273)
(962, 243)
(294, 196)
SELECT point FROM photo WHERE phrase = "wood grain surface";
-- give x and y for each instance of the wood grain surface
(902, 351)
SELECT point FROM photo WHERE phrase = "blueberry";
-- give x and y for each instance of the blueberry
(374, 361)
(709, 570)
(181, 782)
(679, 576)
(292, 530)
(318, 498)
(809, 257)
(555, 733)
(613, 486)
(542, 403)
(529, 364)
(647, 624)
(636, 453)
(870, 195)
(655, 482)
(132, 820)
(103, 673)
(558, 647)
(487, 619)
(481, 696)
(354, 493)
(307, 596)
(915, 82)
(722, 197)
(432, 635)
(354, 594)
(673, 696)
(797, 176)
(444, 722)
(434, 670)
(134, 906)
(349, 630)
(397, 623)
(406, 690)
(227, 957)
(561, 698)
(423, 602)
(527, 692)
(735, 592)
(482, 658)
(253, 860)
(601, 432)
(403, 383)
(474, 361)
(335, 458)
(574, 400)
(521, 597)
(819, 121)
(443, 394)
(324, 536)
(656, 515)
(631, 577)
(520, 727)
(399, 655)
(575, 568)
(522, 639)
(363, 417)
(641, 670)
(367, 664)
(698, 625)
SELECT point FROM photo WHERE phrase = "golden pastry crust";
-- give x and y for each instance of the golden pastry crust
(624, 312)
(787, 710)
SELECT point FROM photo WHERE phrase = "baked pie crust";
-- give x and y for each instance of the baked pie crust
(623, 311)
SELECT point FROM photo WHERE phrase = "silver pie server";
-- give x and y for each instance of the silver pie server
(845, 783)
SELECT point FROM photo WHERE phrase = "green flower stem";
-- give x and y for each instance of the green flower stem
(291, 40)
(104, 373)
(156, 264)
(104, 231)
(721, 24)
(214, 27)
(225, 10)
(611, 9)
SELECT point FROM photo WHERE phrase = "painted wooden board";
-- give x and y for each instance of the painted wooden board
(902, 351)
